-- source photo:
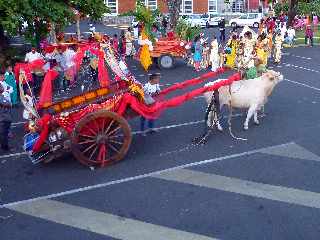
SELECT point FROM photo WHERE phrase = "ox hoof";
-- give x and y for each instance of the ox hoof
(245, 127)
(220, 129)
(196, 140)
(257, 122)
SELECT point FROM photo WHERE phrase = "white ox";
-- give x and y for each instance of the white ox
(249, 94)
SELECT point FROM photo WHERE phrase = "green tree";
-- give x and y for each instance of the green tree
(301, 7)
(40, 14)
(174, 9)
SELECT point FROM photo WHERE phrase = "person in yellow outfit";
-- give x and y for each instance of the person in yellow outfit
(146, 47)
(232, 51)
(277, 48)
(261, 46)
(270, 43)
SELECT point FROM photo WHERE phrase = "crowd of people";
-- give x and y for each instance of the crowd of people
(248, 51)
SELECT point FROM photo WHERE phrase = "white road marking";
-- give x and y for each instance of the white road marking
(13, 155)
(297, 56)
(172, 126)
(302, 84)
(134, 178)
(103, 223)
(300, 67)
(244, 187)
(71, 33)
(18, 123)
(293, 151)
(138, 132)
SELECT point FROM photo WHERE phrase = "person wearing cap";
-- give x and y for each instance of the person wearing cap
(222, 29)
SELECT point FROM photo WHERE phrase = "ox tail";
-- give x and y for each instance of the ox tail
(230, 126)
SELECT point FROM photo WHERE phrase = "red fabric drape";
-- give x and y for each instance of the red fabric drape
(25, 67)
(46, 88)
(36, 64)
(154, 111)
(43, 124)
(79, 56)
(28, 68)
(121, 103)
(193, 81)
(103, 75)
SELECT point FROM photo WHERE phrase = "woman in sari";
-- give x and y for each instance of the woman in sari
(261, 49)
(232, 52)
(270, 43)
(214, 55)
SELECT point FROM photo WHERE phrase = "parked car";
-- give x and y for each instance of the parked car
(196, 20)
(212, 19)
(134, 23)
(247, 19)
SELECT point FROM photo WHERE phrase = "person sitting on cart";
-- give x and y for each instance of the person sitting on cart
(151, 89)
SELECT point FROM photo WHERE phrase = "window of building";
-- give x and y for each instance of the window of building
(237, 6)
(112, 5)
(187, 6)
(152, 4)
(212, 5)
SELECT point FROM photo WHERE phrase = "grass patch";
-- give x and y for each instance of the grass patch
(300, 36)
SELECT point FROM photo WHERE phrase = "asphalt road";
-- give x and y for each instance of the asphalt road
(264, 188)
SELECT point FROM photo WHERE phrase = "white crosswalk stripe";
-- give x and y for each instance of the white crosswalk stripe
(249, 188)
(103, 223)
(115, 226)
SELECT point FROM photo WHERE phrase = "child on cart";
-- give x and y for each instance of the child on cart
(151, 89)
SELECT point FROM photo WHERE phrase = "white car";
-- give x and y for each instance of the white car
(212, 19)
(196, 20)
(248, 19)
(134, 23)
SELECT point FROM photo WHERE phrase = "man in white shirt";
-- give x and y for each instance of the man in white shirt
(291, 35)
(32, 56)
(70, 65)
(283, 30)
(61, 68)
(37, 76)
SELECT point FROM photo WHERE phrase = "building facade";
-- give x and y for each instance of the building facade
(188, 6)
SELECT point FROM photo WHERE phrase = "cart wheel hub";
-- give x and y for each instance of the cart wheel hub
(166, 62)
(101, 138)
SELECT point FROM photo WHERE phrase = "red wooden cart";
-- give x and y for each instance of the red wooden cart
(93, 125)
(167, 50)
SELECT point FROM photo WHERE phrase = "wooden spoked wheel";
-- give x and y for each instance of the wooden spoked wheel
(101, 138)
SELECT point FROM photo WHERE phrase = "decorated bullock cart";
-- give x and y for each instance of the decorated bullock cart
(94, 126)
(166, 51)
